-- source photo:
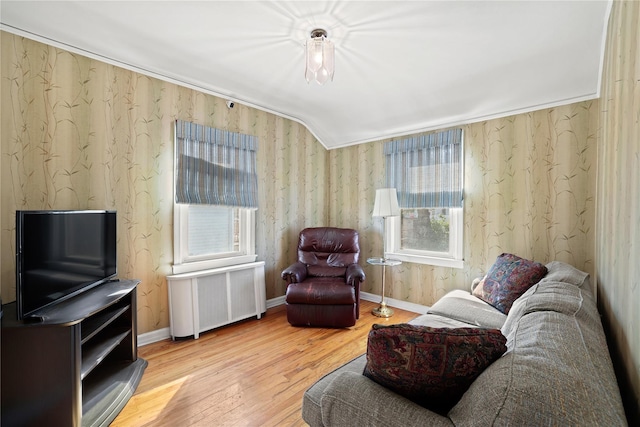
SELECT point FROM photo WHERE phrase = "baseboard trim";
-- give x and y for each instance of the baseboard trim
(154, 336)
(274, 302)
(392, 302)
(165, 333)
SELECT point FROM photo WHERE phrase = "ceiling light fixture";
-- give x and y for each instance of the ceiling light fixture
(319, 54)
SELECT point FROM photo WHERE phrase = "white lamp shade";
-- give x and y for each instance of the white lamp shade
(386, 203)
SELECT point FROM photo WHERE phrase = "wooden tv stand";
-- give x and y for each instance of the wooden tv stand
(78, 366)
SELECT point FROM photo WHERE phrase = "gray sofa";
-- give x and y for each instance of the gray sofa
(556, 371)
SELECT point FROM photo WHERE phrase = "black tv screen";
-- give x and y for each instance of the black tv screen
(60, 254)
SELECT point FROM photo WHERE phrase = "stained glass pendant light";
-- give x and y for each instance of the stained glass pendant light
(319, 54)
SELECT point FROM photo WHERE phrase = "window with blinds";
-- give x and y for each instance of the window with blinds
(427, 172)
(212, 230)
(215, 198)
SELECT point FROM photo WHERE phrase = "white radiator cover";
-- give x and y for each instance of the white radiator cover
(204, 300)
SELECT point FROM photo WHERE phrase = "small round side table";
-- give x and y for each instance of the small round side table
(383, 310)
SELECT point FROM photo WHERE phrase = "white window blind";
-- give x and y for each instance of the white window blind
(212, 229)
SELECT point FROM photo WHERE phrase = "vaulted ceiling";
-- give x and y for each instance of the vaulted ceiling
(401, 66)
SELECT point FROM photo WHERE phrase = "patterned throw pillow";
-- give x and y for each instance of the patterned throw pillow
(430, 366)
(507, 279)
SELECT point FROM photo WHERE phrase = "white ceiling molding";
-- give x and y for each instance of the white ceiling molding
(401, 67)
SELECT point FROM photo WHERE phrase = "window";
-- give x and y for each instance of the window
(212, 230)
(427, 172)
(215, 198)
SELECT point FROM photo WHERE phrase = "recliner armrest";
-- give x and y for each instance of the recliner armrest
(295, 273)
(355, 274)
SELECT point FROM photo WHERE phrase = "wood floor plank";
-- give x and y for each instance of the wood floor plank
(252, 373)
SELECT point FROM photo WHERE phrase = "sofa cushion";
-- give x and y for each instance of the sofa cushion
(352, 399)
(558, 271)
(438, 321)
(507, 279)
(462, 306)
(538, 298)
(430, 366)
(556, 371)
(311, 400)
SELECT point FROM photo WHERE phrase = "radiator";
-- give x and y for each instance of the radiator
(204, 300)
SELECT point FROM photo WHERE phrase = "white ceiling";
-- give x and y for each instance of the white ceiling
(401, 66)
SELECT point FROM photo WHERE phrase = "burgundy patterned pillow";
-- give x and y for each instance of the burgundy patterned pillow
(431, 366)
(507, 279)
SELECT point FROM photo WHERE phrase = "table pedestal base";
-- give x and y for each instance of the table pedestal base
(382, 311)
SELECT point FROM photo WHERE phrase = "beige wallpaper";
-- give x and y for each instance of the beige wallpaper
(77, 133)
(618, 207)
(84, 134)
(529, 190)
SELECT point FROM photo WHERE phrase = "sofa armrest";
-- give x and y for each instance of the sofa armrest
(295, 273)
(353, 399)
(355, 274)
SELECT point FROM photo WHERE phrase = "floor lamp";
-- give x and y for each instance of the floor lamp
(386, 205)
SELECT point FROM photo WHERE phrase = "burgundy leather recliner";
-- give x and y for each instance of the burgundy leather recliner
(323, 287)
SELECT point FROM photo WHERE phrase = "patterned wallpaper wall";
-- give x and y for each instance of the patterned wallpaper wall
(529, 190)
(78, 133)
(618, 209)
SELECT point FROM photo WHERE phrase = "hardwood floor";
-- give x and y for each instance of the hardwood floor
(253, 373)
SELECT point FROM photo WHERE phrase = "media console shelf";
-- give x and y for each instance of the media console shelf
(79, 366)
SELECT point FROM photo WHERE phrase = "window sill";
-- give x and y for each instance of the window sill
(429, 260)
(189, 267)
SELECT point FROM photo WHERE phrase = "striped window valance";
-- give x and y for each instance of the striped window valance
(215, 167)
(427, 170)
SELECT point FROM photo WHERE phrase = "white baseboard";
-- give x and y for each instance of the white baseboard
(154, 336)
(391, 302)
(274, 302)
(165, 333)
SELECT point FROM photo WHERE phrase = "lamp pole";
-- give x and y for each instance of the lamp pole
(386, 205)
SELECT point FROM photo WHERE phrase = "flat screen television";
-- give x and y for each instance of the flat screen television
(60, 254)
